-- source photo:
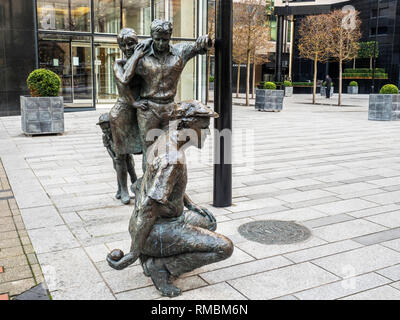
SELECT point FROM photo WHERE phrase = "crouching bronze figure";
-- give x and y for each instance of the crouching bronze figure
(168, 239)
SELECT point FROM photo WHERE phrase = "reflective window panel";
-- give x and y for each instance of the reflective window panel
(136, 14)
(71, 58)
(107, 16)
(182, 13)
(65, 15)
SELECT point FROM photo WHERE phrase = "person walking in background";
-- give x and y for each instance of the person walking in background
(328, 81)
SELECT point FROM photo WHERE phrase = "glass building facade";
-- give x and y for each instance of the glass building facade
(77, 39)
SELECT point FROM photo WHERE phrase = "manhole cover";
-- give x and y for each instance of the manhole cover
(274, 232)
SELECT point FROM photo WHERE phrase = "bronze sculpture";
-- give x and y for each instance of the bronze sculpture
(168, 240)
(174, 241)
(104, 123)
(124, 128)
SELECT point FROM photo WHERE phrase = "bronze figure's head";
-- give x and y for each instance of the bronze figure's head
(127, 40)
(161, 32)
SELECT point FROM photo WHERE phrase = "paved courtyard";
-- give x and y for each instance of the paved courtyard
(326, 167)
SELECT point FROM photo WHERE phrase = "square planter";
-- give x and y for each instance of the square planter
(288, 91)
(384, 107)
(211, 86)
(40, 115)
(352, 90)
(269, 100)
(323, 91)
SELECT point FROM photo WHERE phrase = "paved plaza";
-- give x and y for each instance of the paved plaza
(326, 167)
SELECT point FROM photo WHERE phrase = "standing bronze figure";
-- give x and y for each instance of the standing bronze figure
(104, 123)
(123, 117)
(173, 240)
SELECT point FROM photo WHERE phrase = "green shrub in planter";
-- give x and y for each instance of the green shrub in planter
(211, 78)
(353, 84)
(269, 86)
(389, 89)
(43, 83)
(287, 84)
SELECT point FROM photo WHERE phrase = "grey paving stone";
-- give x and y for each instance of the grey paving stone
(374, 211)
(39, 292)
(302, 214)
(283, 281)
(310, 203)
(347, 230)
(381, 293)
(392, 273)
(67, 269)
(127, 279)
(96, 291)
(359, 261)
(319, 222)
(52, 239)
(385, 198)
(379, 237)
(396, 285)
(245, 269)
(40, 217)
(261, 251)
(322, 251)
(344, 206)
(392, 244)
(219, 291)
(390, 219)
(343, 288)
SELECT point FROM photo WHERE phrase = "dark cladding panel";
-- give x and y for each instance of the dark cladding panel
(17, 52)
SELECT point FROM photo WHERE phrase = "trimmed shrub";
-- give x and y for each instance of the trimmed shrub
(269, 86)
(43, 83)
(287, 84)
(389, 89)
(353, 84)
(211, 78)
(303, 84)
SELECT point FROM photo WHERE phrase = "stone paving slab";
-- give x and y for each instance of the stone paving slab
(325, 167)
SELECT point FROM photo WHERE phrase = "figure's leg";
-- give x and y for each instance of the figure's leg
(118, 194)
(122, 175)
(130, 163)
(198, 220)
(177, 248)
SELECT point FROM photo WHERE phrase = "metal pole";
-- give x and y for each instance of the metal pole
(376, 37)
(278, 51)
(223, 104)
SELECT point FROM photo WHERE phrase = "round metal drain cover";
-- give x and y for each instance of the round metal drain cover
(274, 232)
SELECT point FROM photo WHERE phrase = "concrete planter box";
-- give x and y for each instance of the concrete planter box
(40, 115)
(269, 100)
(323, 91)
(352, 90)
(211, 86)
(384, 107)
(288, 91)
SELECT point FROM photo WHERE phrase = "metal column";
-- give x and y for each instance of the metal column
(223, 104)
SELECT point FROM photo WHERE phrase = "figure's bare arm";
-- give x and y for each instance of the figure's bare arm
(189, 204)
(190, 50)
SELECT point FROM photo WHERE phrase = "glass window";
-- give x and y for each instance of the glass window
(71, 58)
(70, 15)
(107, 52)
(182, 13)
(136, 14)
(107, 16)
(187, 84)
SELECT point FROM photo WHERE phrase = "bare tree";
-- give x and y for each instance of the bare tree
(313, 42)
(238, 51)
(211, 52)
(260, 55)
(250, 15)
(343, 39)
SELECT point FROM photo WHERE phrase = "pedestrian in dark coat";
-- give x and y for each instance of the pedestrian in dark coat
(328, 81)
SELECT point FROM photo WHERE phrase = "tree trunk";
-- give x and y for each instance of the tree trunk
(254, 79)
(315, 80)
(354, 63)
(248, 79)
(238, 80)
(208, 78)
(340, 82)
(370, 63)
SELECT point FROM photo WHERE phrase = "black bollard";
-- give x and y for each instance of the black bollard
(223, 104)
